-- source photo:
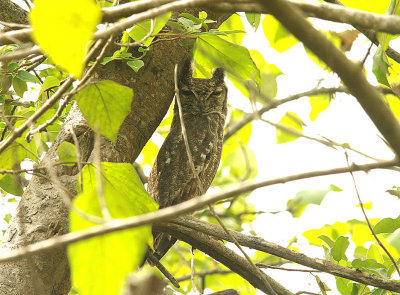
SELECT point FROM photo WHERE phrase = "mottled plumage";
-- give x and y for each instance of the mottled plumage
(204, 105)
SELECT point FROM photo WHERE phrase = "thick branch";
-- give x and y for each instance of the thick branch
(358, 18)
(224, 255)
(137, 11)
(274, 249)
(12, 13)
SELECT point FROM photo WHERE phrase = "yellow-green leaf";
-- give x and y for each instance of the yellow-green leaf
(67, 152)
(318, 104)
(11, 185)
(63, 29)
(371, 6)
(11, 157)
(100, 265)
(19, 86)
(143, 28)
(105, 105)
(233, 23)
(212, 51)
(48, 83)
(339, 249)
(291, 121)
(278, 37)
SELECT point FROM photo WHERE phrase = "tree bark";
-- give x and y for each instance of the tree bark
(41, 212)
(12, 13)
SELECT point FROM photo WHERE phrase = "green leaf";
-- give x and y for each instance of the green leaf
(253, 19)
(380, 66)
(63, 29)
(67, 152)
(379, 292)
(6, 82)
(135, 64)
(26, 76)
(105, 105)
(344, 286)
(212, 52)
(232, 24)
(100, 265)
(279, 38)
(141, 29)
(381, 63)
(7, 217)
(19, 86)
(11, 157)
(10, 184)
(267, 88)
(338, 251)
(191, 17)
(318, 104)
(292, 121)
(48, 83)
(327, 240)
(299, 203)
(366, 263)
(387, 225)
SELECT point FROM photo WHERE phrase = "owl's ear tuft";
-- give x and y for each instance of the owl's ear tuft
(187, 70)
(219, 75)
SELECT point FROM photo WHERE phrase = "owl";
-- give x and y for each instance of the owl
(204, 108)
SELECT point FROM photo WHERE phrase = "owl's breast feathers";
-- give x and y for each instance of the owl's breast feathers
(171, 180)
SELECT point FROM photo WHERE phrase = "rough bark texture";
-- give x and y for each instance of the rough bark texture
(12, 13)
(41, 212)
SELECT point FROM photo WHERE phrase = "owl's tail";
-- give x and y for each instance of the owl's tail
(162, 243)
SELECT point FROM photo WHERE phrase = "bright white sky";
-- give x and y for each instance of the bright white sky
(344, 121)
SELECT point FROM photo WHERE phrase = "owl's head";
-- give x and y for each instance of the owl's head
(202, 96)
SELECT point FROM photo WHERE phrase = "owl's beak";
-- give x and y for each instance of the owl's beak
(201, 105)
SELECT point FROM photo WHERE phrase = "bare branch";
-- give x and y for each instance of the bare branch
(260, 244)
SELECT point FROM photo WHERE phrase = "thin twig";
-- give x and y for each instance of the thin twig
(192, 272)
(162, 268)
(328, 142)
(8, 124)
(3, 134)
(205, 273)
(140, 42)
(368, 222)
(367, 54)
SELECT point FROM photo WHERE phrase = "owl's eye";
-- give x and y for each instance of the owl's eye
(217, 92)
(186, 92)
